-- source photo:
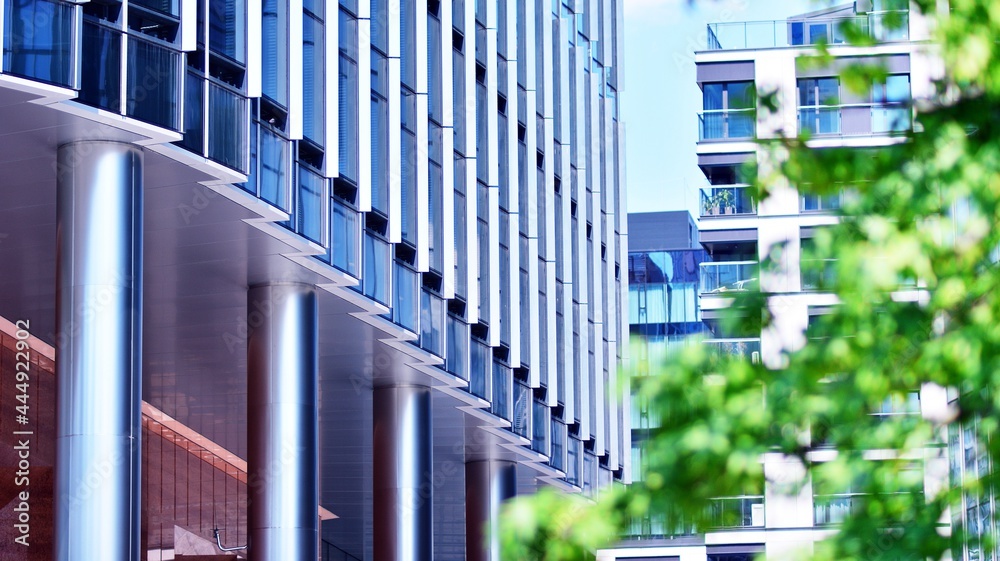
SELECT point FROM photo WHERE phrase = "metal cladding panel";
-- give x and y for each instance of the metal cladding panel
(562, 105)
(364, 112)
(494, 265)
(447, 70)
(514, 289)
(552, 344)
(618, 68)
(470, 82)
(592, 15)
(420, 36)
(614, 438)
(189, 35)
(596, 273)
(331, 87)
(492, 117)
(533, 319)
(549, 193)
(296, 104)
(567, 350)
(512, 111)
(530, 42)
(600, 440)
(569, 272)
(626, 432)
(395, 152)
(472, 234)
(448, 212)
(606, 44)
(580, 273)
(393, 15)
(531, 151)
(581, 89)
(548, 65)
(583, 375)
(423, 201)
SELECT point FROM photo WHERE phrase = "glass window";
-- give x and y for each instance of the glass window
(274, 38)
(227, 28)
(348, 100)
(313, 70)
(274, 167)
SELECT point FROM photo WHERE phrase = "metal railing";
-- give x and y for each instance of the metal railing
(883, 26)
(745, 349)
(735, 276)
(727, 124)
(820, 203)
(330, 552)
(737, 512)
(719, 200)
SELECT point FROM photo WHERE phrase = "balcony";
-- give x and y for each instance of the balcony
(818, 274)
(727, 124)
(41, 41)
(820, 203)
(737, 512)
(834, 509)
(741, 349)
(727, 200)
(855, 119)
(883, 27)
(733, 276)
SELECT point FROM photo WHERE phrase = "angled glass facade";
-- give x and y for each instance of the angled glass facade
(446, 177)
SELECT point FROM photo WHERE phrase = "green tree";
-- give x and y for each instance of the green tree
(924, 209)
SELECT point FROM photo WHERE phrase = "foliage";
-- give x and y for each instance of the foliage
(920, 209)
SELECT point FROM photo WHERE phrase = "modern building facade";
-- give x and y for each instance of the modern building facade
(322, 277)
(737, 232)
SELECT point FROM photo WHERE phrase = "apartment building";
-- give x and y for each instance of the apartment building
(740, 61)
(324, 278)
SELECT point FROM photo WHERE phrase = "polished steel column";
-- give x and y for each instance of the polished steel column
(282, 413)
(98, 351)
(403, 474)
(488, 484)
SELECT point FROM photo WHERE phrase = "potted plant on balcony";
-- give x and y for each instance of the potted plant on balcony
(726, 200)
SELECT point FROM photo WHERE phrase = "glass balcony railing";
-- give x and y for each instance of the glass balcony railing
(480, 368)
(736, 276)
(820, 203)
(834, 509)
(228, 117)
(457, 361)
(882, 26)
(405, 307)
(153, 83)
(857, 119)
(500, 399)
(521, 425)
(375, 281)
(100, 82)
(41, 41)
(557, 453)
(742, 349)
(432, 322)
(345, 237)
(540, 427)
(727, 124)
(310, 210)
(727, 200)
(737, 512)
(818, 274)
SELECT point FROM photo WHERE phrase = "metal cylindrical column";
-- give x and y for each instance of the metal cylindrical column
(403, 474)
(98, 351)
(488, 484)
(282, 431)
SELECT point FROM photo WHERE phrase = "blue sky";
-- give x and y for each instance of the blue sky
(660, 99)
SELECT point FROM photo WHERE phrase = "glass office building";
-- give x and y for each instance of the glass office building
(338, 273)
